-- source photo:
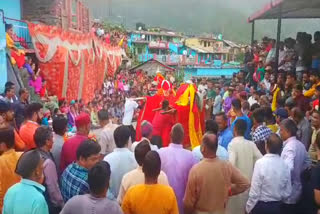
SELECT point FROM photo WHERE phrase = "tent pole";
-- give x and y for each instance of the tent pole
(252, 34)
(278, 39)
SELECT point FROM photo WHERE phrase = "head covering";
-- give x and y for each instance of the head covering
(282, 113)
(82, 120)
(4, 106)
(72, 102)
(146, 128)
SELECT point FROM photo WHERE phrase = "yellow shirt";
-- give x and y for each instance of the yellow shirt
(274, 128)
(149, 199)
(8, 177)
(311, 91)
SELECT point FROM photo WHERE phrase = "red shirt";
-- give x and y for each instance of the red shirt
(69, 150)
(26, 132)
(160, 122)
(315, 105)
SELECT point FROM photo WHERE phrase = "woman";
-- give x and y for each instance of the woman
(17, 54)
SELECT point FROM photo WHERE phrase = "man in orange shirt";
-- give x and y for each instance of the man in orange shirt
(7, 120)
(8, 162)
(33, 115)
(150, 197)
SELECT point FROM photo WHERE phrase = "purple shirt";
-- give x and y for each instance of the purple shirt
(176, 162)
(295, 155)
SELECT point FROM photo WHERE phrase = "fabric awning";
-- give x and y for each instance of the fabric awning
(291, 9)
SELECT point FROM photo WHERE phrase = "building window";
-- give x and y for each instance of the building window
(74, 14)
(205, 44)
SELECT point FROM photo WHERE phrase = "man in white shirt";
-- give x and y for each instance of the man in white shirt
(270, 185)
(254, 98)
(203, 88)
(266, 84)
(242, 154)
(146, 132)
(217, 102)
(129, 107)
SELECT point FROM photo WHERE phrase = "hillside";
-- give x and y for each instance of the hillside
(228, 17)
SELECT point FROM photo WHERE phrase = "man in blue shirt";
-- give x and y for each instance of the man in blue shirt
(236, 107)
(27, 196)
(121, 160)
(74, 179)
(225, 134)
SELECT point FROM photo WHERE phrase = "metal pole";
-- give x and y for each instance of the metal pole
(278, 38)
(252, 34)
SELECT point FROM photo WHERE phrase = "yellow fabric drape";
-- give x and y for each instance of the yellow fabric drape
(10, 42)
(188, 98)
(274, 99)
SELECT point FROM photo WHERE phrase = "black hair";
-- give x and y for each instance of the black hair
(141, 150)
(292, 75)
(41, 135)
(31, 109)
(7, 137)
(165, 104)
(211, 126)
(27, 163)
(236, 104)
(59, 124)
(177, 133)
(121, 136)
(298, 87)
(7, 89)
(240, 126)
(274, 144)
(281, 102)
(22, 91)
(9, 84)
(208, 141)
(103, 115)
(258, 115)
(268, 115)
(254, 107)
(8, 26)
(290, 126)
(99, 177)
(152, 164)
(88, 148)
(222, 114)
(297, 113)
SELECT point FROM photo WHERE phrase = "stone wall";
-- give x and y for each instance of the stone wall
(44, 11)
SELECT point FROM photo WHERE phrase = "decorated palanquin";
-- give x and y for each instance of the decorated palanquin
(74, 65)
(189, 112)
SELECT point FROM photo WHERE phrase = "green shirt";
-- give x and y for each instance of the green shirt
(212, 94)
(260, 74)
(25, 197)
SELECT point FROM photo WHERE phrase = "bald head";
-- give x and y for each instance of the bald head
(210, 141)
(177, 133)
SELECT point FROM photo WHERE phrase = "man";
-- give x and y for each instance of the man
(306, 81)
(150, 197)
(9, 94)
(272, 53)
(121, 160)
(95, 202)
(254, 97)
(225, 133)
(146, 132)
(136, 176)
(203, 87)
(242, 154)
(217, 102)
(281, 114)
(33, 115)
(129, 107)
(210, 180)
(69, 148)
(301, 101)
(105, 133)
(21, 106)
(211, 127)
(74, 178)
(7, 121)
(44, 140)
(59, 125)
(296, 158)
(176, 162)
(8, 162)
(12, 86)
(315, 80)
(304, 127)
(265, 84)
(27, 196)
(270, 185)
(236, 107)
(315, 122)
(260, 132)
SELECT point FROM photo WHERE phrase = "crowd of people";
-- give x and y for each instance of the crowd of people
(259, 150)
